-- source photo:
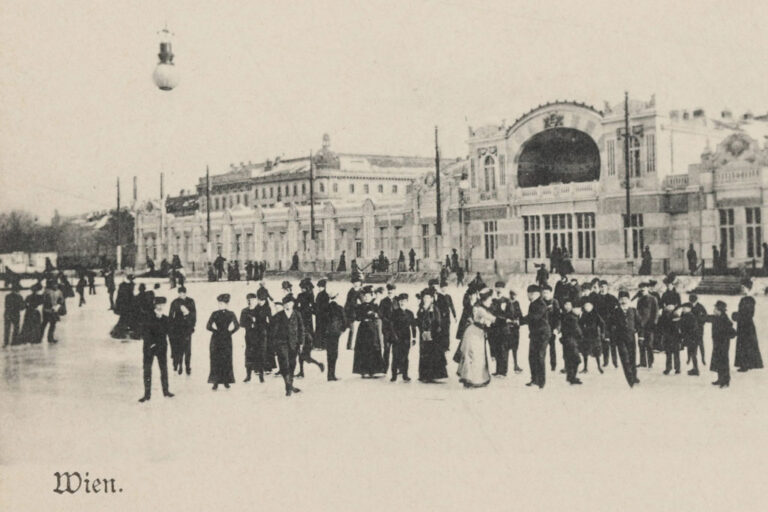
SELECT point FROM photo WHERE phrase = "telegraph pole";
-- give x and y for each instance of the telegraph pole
(118, 253)
(207, 204)
(311, 197)
(627, 169)
(439, 224)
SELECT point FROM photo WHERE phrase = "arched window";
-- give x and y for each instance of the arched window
(490, 173)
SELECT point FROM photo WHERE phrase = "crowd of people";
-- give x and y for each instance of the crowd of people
(585, 319)
(46, 304)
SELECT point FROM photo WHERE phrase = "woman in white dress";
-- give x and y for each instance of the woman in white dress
(473, 361)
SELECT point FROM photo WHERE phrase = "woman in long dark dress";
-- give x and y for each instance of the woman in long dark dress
(368, 359)
(31, 328)
(747, 349)
(432, 363)
(255, 320)
(223, 323)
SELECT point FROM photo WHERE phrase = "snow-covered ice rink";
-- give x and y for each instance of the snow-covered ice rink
(672, 443)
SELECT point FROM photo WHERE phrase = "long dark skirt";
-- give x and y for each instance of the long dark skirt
(747, 350)
(256, 351)
(368, 359)
(221, 360)
(432, 363)
(31, 328)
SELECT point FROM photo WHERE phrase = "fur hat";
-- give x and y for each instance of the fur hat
(224, 297)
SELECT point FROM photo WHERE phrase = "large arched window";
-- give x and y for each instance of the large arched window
(490, 173)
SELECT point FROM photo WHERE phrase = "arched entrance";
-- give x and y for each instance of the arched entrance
(558, 155)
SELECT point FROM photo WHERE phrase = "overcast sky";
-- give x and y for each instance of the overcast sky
(78, 108)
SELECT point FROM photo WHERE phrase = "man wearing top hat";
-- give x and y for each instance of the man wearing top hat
(387, 307)
(722, 332)
(155, 336)
(499, 333)
(334, 323)
(182, 319)
(647, 310)
(305, 307)
(322, 303)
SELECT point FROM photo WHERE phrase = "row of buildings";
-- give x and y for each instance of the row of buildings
(553, 177)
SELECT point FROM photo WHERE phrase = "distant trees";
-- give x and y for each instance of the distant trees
(91, 243)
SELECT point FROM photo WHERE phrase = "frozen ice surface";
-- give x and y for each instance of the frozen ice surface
(672, 443)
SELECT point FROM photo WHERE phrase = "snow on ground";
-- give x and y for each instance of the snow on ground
(672, 443)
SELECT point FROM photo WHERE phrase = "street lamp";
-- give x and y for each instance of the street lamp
(165, 76)
(463, 189)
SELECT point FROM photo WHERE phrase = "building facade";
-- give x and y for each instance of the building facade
(553, 178)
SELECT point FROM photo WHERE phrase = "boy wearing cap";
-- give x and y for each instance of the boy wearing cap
(722, 332)
(570, 339)
(288, 335)
(354, 298)
(539, 332)
(404, 327)
(155, 336)
(182, 318)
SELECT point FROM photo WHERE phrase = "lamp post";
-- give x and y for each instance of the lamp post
(463, 188)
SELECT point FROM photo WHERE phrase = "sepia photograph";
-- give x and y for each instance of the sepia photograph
(346, 255)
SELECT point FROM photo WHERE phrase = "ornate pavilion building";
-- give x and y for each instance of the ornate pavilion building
(554, 177)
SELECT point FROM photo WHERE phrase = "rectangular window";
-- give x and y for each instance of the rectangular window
(366, 189)
(237, 246)
(304, 239)
(650, 153)
(216, 203)
(287, 191)
(358, 244)
(754, 233)
(335, 187)
(394, 189)
(610, 150)
(502, 170)
(218, 244)
(295, 189)
(558, 232)
(634, 157)
(585, 236)
(633, 236)
(237, 198)
(271, 194)
(248, 245)
(491, 238)
(425, 240)
(303, 188)
(397, 237)
(381, 189)
(532, 236)
(245, 199)
(351, 188)
(472, 172)
(727, 231)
